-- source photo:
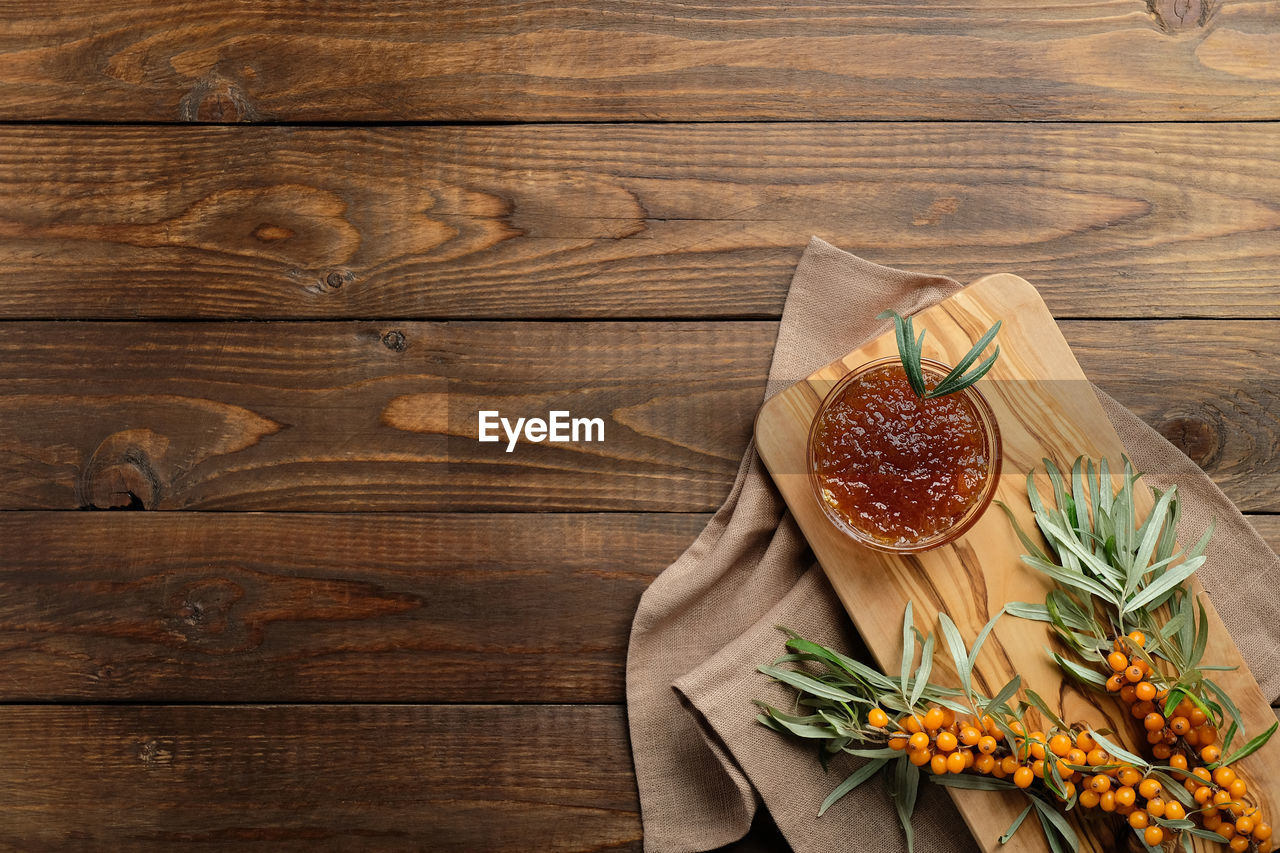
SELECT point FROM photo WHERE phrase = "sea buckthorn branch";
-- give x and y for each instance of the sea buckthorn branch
(906, 725)
(1133, 629)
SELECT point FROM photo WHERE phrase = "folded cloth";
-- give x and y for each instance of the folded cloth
(702, 762)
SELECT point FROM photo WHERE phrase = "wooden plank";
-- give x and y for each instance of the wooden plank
(305, 778)
(1044, 409)
(528, 222)
(316, 607)
(486, 60)
(381, 417)
(1268, 527)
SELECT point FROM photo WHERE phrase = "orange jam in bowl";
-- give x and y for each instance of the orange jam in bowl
(898, 473)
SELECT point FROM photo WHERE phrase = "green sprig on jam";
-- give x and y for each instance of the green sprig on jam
(910, 348)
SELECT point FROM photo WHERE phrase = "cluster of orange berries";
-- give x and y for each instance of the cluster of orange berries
(1187, 738)
(949, 744)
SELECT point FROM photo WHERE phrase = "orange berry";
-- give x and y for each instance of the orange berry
(946, 741)
(1128, 693)
(1096, 756)
(920, 757)
(913, 723)
(1153, 722)
(985, 763)
(1174, 811)
(1125, 796)
(1117, 661)
(968, 757)
(1115, 683)
(1178, 760)
(948, 718)
(986, 744)
(898, 742)
(1155, 806)
(955, 762)
(1208, 735)
(1141, 709)
(1203, 795)
(1064, 768)
(1210, 754)
(1076, 756)
(1023, 777)
(1262, 831)
(1244, 825)
(1153, 835)
(1194, 716)
(1010, 765)
(1060, 745)
(1202, 773)
(919, 740)
(1156, 736)
(1226, 830)
(1037, 744)
(938, 764)
(1138, 819)
(1145, 691)
(969, 736)
(1212, 821)
(1017, 729)
(1128, 776)
(1224, 776)
(1100, 783)
(1138, 638)
(1149, 789)
(877, 718)
(1180, 725)
(1192, 738)
(1085, 741)
(1037, 768)
(1107, 801)
(1133, 674)
(1161, 751)
(1238, 788)
(1088, 799)
(1221, 797)
(1240, 843)
(933, 719)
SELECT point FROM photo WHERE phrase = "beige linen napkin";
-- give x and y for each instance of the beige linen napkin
(702, 762)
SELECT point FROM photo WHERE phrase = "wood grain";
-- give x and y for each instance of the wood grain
(1268, 527)
(601, 221)
(367, 607)
(484, 60)
(362, 777)
(381, 417)
(1044, 408)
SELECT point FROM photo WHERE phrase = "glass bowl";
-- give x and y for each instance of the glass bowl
(992, 450)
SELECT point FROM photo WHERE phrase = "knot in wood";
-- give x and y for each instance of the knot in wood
(395, 341)
(1197, 437)
(334, 279)
(1173, 16)
(121, 472)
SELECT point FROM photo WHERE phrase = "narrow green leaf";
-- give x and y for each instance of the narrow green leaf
(1017, 822)
(925, 670)
(1050, 835)
(855, 779)
(982, 638)
(1083, 673)
(972, 781)
(1119, 752)
(1148, 535)
(1252, 746)
(908, 653)
(1163, 584)
(906, 787)
(806, 683)
(1006, 692)
(884, 752)
(1032, 548)
(1024, 610)
(955, 644)
(1202, 636)
(1226, 703)
(1043, 707)
(1173, 787)
(1058, 822)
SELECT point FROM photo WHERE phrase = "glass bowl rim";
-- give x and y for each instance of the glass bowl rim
(991, 431)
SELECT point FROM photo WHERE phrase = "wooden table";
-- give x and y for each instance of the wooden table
(263, 257)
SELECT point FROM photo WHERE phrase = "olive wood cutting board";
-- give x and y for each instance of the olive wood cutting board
(1045, 408)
